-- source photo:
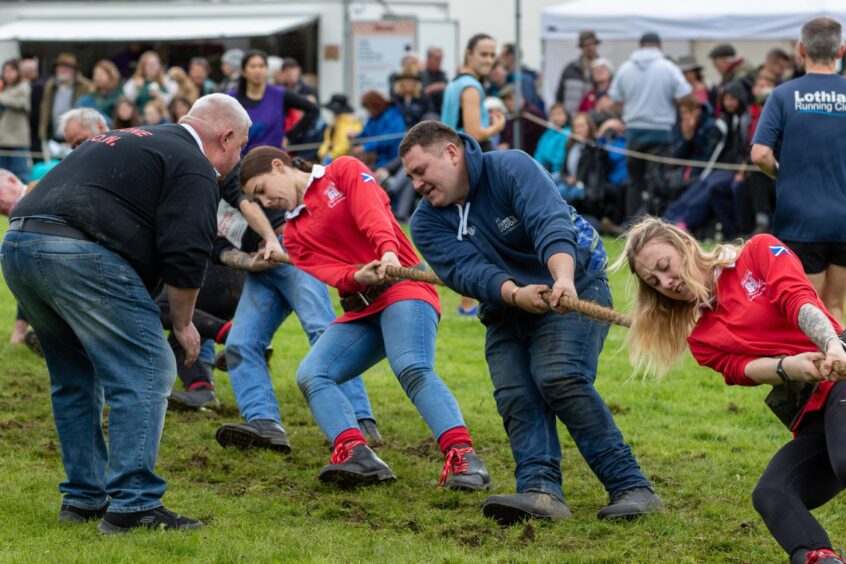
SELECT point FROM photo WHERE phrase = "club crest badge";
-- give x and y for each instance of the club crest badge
(752, 286)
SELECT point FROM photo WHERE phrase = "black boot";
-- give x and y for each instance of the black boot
(370, 431)
(159, 518)
(354, 464)
(258, 433)
(627, 504)
(467, 469)
(73, 514)
(193, 400)
(514, 508)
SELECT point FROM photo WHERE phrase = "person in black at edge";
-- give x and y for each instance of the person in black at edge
(124, 212)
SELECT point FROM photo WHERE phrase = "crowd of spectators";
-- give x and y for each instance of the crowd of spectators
(650, 104)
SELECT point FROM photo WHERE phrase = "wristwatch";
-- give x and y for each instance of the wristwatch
(782, 373)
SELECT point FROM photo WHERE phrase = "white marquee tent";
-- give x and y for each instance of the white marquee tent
(685, 27)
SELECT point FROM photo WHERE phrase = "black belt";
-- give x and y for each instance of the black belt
(30, 225)
(361, 300)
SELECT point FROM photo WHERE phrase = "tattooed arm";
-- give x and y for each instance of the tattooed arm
(814, 323)
(239, 260)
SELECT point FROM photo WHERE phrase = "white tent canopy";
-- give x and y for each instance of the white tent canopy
(713, 20)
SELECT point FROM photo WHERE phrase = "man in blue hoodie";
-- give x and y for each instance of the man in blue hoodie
(522, 250)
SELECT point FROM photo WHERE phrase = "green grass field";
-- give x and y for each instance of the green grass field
(702, 444)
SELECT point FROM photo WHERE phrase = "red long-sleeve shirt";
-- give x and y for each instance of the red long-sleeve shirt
(345, 221)
(756, 314)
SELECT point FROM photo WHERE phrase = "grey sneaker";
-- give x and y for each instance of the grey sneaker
(627, 504)
(514, 508)
(192, 400)
(258, 433)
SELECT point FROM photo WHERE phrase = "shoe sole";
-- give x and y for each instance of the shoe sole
(244, 440)
(179, 405)
(507, 515)
(107, 528)
(629, 515)
(345, 479)
(468, 487)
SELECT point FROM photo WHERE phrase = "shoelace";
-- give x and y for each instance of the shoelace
(454, 462)
(817, 555)
(343, 452)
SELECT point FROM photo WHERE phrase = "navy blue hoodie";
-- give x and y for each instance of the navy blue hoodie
(512, 222)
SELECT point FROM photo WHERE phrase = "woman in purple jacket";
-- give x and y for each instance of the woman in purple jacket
(267, 104)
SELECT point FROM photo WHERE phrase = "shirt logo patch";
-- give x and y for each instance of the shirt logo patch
(778, 250)
(367, 177)
(507, 224)
(335, 196)
(752, 286)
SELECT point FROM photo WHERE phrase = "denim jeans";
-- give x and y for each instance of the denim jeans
(266, 301)
(18, 164)
(543, 367)
(405, 332)
(102, 341)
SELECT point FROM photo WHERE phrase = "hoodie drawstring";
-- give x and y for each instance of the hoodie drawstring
(463, 216)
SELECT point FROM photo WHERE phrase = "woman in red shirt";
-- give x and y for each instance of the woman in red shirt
(339, 219)
(717, 302)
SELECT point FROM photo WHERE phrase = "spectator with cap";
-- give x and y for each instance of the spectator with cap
(106, 78)
(14, 121)
(433, 79)
(530, 131)
(575, 79)
(61, 93)
(409, 98)
(601, 73)
(292, 79)
(648, 86)
(149, 82)
(692, 71)
(199, 70)
(230, 66)
(344, 125)
(409, 59)
(731, 67)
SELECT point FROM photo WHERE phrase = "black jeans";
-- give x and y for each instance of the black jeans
(215, 306)
(804, 474)
(647, 186)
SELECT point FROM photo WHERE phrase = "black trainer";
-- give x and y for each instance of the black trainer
(258, 433)
(467, 469)
(370, 431)
(354, 464)
(73, 514)
(220, 359)
(159, 518)
(192, 400)
(515, 508)
(628, 504)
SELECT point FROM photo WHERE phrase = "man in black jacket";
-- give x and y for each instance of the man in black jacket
(124, 212)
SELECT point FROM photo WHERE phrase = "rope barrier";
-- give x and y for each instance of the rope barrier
(636, 154)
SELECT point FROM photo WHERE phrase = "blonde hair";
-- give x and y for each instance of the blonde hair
(408, 72)
(660, 325)
(142, 62)
(187, 89)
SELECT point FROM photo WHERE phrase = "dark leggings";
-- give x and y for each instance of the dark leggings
(804, 474)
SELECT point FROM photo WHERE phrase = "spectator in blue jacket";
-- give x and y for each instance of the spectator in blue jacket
(385, 119)
(520, 252)
(550, 152)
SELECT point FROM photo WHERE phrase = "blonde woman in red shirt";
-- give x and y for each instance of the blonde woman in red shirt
(338, 219)
(751, 314)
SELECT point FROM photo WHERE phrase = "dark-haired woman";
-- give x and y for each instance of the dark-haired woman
(464, 98)
(14, 121)
(339, 219)
(267, 103)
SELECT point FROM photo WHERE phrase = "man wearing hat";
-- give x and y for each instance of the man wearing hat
(648, 86)
(692, 71)
(336, 137)
(731, 67)
(575, 80)
(61, 92)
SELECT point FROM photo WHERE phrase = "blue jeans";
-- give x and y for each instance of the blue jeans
(18, 164)
(267, 300)
(543, 367)
(103, 341)
(405, 332)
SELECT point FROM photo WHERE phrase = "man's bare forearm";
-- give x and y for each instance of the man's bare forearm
(237, 259)
(814, 323)
(257, 220)
(181, 302)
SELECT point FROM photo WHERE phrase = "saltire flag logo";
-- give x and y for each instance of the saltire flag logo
(367, 177)
(778, 250)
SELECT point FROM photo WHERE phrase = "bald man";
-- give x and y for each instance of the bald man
(125, 212)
